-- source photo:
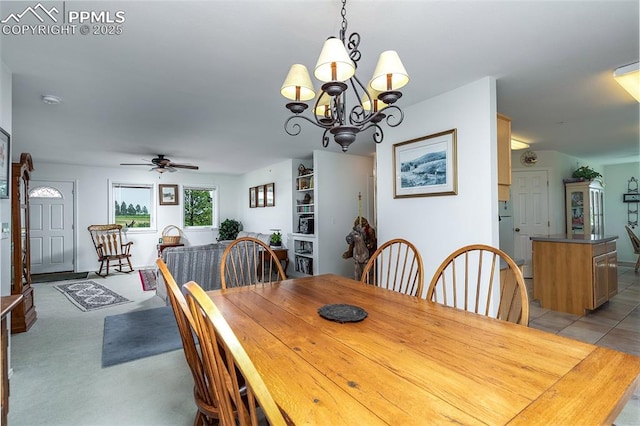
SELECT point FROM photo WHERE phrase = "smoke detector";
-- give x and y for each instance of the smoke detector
(51, 99)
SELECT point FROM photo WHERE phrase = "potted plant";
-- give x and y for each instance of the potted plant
(228, 230)
(585, 173)
(276, 239)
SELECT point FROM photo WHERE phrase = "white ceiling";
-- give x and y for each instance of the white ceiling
(200, 81)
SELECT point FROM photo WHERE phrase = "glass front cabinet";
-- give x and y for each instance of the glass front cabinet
(585, 208)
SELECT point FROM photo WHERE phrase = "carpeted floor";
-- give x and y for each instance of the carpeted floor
(89, 295)
(139, 334)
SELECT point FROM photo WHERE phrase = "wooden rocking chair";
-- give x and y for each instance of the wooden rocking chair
(107, 240)
(635, 242)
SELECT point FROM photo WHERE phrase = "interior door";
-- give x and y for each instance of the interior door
(51, 226)
(530, 192)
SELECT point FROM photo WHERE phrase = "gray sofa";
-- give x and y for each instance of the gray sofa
(197, 263)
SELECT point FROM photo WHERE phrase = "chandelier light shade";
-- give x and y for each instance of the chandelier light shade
(336, 69)
(297, 86)
(629, 78)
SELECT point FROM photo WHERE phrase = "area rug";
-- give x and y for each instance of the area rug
(58, 276)
(89, 295)
(148, 279)
(139, 334)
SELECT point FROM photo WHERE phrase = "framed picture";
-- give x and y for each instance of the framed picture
(252, 197)
(168, 195)
(260, 195)
(426, 166)
(5, 163)
(270, 194)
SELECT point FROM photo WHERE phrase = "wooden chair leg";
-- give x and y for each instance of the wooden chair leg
(638, 264)
(129, 262)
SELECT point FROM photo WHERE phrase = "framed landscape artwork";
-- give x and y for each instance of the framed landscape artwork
(5, 163)
(168, 195)
(270, 194)
(260, 196)
(426, 166)
(252, 197)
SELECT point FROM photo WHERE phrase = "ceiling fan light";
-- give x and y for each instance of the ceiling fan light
(334, 63)
(629, 78)
(516, 145)
(298, 86)
(389, 74)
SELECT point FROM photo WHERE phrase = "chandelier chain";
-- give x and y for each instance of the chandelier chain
(343, 28)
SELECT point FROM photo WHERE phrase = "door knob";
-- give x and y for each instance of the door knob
(517, 229)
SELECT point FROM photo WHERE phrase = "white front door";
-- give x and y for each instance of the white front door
(530, 192)
(51, 226)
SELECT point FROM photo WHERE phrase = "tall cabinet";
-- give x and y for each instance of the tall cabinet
(325, 206)
(24, 314)
(584, 208)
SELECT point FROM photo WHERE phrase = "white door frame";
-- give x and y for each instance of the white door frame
(33, 183)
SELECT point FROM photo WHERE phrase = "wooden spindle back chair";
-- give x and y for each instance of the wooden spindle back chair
(396, 265)
(468, 277)
(110, 247)
(228, 365)
(205, 399)
(248, 261)
(635, 242)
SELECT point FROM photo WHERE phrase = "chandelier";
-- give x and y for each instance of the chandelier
(335, 67)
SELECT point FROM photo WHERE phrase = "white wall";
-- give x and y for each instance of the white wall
(616, 178)
(338, 179)
(93, 205)
(438, 225)
(5, 204)
(263, 219)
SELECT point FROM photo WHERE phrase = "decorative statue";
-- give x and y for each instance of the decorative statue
(362, 243)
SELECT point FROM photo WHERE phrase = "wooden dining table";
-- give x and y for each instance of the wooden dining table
(412, 361)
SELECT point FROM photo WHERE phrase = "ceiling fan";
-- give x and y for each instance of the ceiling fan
(162, 164)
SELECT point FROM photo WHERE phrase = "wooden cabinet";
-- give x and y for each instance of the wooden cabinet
(584, 207)
(574, 274)
(24, 314)
(504, 157)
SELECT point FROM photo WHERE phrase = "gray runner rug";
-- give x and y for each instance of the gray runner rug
(139, 334)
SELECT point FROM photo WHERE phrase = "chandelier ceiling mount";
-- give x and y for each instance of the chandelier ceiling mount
(336, 68)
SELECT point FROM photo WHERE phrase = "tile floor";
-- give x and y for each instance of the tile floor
(616, 325)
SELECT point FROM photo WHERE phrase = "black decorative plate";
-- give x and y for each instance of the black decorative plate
(342, 313)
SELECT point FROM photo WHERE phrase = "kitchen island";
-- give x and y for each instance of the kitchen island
(574, 273)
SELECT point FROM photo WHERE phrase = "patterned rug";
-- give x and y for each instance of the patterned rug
(148, 279)
(89, 295)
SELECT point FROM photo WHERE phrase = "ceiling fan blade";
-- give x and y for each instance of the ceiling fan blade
(184, 166)
(136, 164)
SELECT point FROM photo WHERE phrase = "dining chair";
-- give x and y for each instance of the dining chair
(228, 364)
(467, 279)
(635, 242)
(247, 261)
(396, 265)
(206, 401)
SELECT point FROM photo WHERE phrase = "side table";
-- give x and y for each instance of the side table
(163, 246)
(282, 255)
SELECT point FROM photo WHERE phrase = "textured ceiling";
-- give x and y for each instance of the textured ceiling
(200, 81)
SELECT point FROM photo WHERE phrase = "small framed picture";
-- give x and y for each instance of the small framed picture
(168, 195)
(252, 197)
(260, 196)
(5, 163)
(426, 166)
(270, 194)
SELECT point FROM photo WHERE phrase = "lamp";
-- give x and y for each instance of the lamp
(629, 78)
(516, 145)
(336, 66)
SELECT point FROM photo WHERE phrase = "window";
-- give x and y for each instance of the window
(132, 206)
(199, 207)
(45, 192)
